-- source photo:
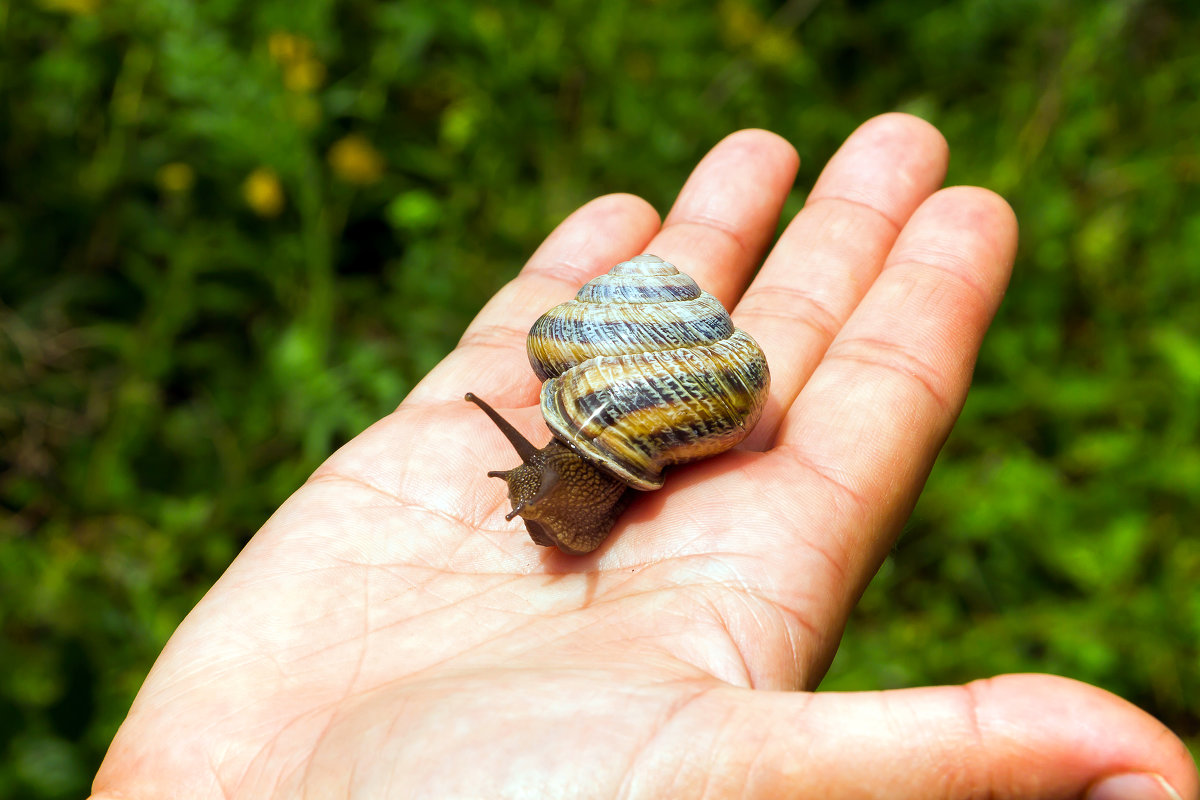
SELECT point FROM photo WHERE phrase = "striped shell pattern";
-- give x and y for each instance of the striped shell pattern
(643, 370)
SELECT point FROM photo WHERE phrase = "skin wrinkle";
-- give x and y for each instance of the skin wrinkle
(647, 571)
(338, 563)
(573, 624)
(499, 548)
(366, 629)
(324, 475)
(687, 598)
(867, 351)
(792, 618)
(447, 604)
(213, 770)
(736, 719)
(454, 536)
(332, 647)
(267, 749)
(895, 225)
(794, 452)
(307, 763)
(836, 255)
(413, 558)
(561, 634)
(754, 157)
(777, 773)
(787, 612)
(567, 272)
(477, 645)
(755, 611)
(493, 337)
(451, 605)
(665, 720)
(609, 212)
(732, 727)
(434, 391)
(444, 603)
(212, 673)
(722, 623)
(971, 720)
(837, 563)
(780, 302)
(960, 270)
(390, 734)
(712, 224)
(332, 477)
(752, 766)
(574, 276)
(626, 574)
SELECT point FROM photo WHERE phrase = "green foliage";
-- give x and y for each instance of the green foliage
(232, 235)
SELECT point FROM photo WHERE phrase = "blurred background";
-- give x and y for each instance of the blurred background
(234, 234)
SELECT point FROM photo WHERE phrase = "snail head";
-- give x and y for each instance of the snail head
(564, 500)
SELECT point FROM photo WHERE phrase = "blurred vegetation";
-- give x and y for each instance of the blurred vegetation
(233, 234)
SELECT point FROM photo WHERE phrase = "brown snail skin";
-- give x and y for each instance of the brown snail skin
(641, 371)
(565, 501)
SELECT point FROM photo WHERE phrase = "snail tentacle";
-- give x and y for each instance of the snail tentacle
(565, 501)
(523, 446)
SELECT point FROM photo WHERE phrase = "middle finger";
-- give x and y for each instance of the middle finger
(829, 255)
(726, 213)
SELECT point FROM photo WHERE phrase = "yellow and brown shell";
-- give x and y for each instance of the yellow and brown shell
(643, 370)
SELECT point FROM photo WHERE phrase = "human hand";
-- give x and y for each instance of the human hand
(388, 634)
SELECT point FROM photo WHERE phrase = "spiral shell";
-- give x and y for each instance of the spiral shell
(643, 370)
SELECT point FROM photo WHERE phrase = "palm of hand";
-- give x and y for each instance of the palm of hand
(388, 634)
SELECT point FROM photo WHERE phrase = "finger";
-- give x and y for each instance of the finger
(1014, 736)
(828, 256)
(726, 214)
(862, 435)
(490, 358)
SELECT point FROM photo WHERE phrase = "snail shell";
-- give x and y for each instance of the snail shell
(642, 370)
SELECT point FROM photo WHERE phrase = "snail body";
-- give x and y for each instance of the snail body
(641, 371)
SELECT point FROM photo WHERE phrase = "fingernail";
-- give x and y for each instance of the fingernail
(1132, 786)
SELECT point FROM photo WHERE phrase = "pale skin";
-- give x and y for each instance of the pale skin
(388, 635)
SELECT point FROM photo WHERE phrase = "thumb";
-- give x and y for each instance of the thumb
(1014, 736)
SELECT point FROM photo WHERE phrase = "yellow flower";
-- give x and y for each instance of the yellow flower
(304, 75)
(740, 23)
(263, 192)
(355, 160)
(78, 7)
(775, 48)
(286, 48)
(176, 177)
(302, 71)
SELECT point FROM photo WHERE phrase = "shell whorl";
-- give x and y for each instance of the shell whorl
(643, 370)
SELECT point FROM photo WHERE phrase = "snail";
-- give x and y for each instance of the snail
(641, 371)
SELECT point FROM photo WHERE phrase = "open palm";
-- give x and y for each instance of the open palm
(388, 634)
